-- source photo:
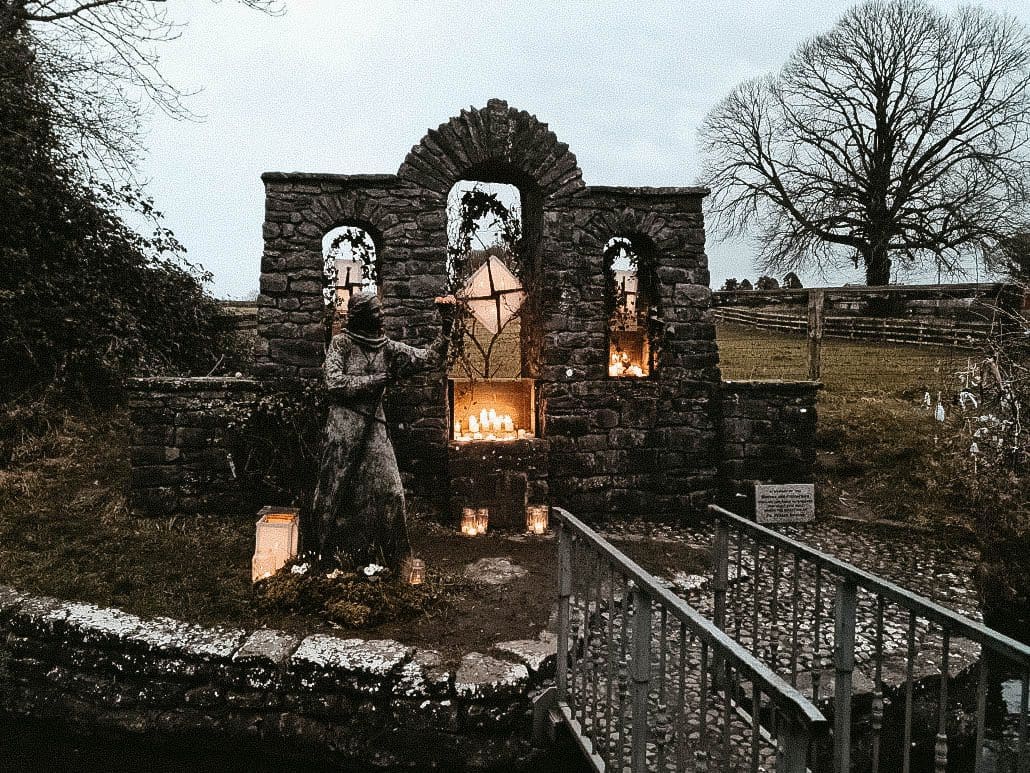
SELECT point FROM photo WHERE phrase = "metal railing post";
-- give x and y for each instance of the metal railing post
(564, 592)
(792, 743)
(720, 571)
(641, 673)
(844, 666)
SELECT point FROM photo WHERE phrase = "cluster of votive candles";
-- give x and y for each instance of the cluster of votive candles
(474, 520)
(620, 365)
(489, 425)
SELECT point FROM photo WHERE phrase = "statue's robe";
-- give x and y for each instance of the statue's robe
(358, 507)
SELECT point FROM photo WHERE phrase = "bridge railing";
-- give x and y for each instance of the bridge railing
(829, 627)
(649, 684)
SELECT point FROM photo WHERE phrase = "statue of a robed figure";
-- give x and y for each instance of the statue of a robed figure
(358, 507)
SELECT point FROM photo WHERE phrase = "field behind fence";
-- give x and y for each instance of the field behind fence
(850, 368)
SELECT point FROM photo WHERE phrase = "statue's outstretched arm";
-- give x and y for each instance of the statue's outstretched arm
(406, 360)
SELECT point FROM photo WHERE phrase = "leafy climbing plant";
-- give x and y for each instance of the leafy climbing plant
(478, 211)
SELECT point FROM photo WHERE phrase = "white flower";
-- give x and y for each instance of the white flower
(373, 569)
(334, 574)
(300, 568)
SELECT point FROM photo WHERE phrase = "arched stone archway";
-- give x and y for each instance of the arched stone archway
(499, 143)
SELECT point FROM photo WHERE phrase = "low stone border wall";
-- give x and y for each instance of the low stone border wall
(768, 434)
(373, 705)
(181, 446)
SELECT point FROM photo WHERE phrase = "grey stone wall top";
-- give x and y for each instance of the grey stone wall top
(776, 386)
(191, 383)
(367, 666)
(364, 179)
(636, 190)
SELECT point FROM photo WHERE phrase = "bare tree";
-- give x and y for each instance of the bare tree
(97, 66)
(901, 134)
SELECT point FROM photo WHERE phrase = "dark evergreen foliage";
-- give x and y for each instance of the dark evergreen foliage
(84, 299)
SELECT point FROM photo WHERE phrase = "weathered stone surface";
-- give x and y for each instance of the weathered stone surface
(372, 658)
(336, 698)
(494, 571)
(481, 676)
(267, 647)
(424, 676)
(768, 435)
(535, 654)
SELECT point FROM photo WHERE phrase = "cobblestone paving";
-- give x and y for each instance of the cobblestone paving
(777, 617)
(762, 607)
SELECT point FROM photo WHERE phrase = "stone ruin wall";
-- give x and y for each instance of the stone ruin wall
(626, 447)
(632, 447)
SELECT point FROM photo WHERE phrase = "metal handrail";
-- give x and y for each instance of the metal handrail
(970, 629)
(806, 722)
(1012, 655)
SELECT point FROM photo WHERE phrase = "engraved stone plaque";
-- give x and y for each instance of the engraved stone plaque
(785, 503)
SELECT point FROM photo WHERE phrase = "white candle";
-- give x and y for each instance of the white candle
(473, 425)
(509, 425)
(484, 419)
(457, 430)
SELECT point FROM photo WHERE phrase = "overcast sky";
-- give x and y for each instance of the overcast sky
(348, 87)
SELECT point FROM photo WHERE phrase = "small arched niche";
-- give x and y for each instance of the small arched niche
(350, 265)
(632, 304)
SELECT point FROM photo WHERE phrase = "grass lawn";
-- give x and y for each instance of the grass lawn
(875, 441)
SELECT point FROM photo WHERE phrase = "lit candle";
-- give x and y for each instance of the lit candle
(521, 433)
(484, 419)
(509, 425)
(536, 518)
(493, 415)
(457, 430)
(469, 521)
(473, 425)
(482, 519)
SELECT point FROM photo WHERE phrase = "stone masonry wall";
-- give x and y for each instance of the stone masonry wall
(619, 446)
(629, 447)
(616, 447)
(181, 450)
(367, 705)
(768, 434)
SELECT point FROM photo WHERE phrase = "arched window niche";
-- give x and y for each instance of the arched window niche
(350, 265)
(632, 303)
(486, 270)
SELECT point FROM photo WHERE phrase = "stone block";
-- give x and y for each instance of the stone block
(481, 676)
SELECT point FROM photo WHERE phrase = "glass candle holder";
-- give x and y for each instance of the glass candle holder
(536, 518)
(413, 570)
(482, 519)
(469, 521)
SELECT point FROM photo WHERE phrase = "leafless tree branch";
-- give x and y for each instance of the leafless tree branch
(901, 134)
